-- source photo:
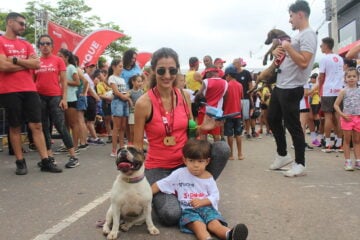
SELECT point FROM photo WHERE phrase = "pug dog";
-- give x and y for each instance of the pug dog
(131, 195)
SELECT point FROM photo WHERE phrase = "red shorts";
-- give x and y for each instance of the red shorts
(215, 131)
(353, 124)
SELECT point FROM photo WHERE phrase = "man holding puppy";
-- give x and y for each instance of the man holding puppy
(286, 96)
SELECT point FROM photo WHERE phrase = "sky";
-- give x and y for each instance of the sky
(227, 29)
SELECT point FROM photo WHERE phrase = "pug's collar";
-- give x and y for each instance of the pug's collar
(133, 179)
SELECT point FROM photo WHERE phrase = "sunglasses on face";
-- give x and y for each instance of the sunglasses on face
(22, 24)
(45, 43)
(162, 71)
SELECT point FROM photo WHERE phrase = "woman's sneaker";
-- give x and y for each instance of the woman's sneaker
(239, 232)
(348, 165)
(48, 165)
(73, 162)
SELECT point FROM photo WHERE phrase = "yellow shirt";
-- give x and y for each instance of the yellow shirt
(191, 83)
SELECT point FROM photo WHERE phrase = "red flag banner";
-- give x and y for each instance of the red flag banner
(142, 58)
(94, 44)
(63, 37)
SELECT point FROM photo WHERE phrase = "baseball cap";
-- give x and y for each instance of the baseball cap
(88, 64)
(210, 69)
(218, 60)
(193, 61)
(242, 62)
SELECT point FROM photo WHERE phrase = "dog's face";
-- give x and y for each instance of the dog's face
(129, 159)
(273, 34)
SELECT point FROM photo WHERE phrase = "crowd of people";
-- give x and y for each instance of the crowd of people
(152, 109)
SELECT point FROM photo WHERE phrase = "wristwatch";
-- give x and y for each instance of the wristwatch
(14, 60)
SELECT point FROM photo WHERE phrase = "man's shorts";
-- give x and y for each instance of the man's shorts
(327, 104)
(202, 214)
(353, 124)
(233, 127)
(22, 107)
(245, 105)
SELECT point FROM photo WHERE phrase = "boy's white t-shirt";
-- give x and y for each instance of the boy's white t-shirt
(188, 187)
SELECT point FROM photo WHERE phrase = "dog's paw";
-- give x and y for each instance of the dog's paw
(112, 235)
(125, 227)
(153, 230)
(106, 229)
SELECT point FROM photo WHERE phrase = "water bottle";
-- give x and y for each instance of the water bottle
(192, 128)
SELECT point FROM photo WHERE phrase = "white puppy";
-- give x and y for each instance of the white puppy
(131, 195)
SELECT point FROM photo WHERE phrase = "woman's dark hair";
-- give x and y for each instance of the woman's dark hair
(157, 55)
(133, 78)
(44, 36)
(68, 55)
(114, 62)
(127, 59)
(197, 149)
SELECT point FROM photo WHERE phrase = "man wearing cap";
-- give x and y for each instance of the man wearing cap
(219, 63)
(193, 77)
(244, 77)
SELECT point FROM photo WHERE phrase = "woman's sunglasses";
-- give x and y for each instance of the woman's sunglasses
(45, 43)
(162, 71)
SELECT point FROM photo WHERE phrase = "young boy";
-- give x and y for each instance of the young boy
(198, 195)
(232, 104)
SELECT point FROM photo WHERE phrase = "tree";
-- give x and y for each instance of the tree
(71, 14)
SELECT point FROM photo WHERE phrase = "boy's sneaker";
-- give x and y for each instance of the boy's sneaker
(73, 162)
(21, 168)
(316, 143)
(49, 165)
(327, 149)
(280, 161)
(357, 164)
(97, 141)
(348, 165)
(296, 170)
(239, 232)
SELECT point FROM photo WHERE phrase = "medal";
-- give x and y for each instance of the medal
(169, 141)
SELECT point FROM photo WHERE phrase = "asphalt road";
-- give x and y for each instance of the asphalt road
(324, 204)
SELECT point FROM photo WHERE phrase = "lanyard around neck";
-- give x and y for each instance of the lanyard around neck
(168, 127)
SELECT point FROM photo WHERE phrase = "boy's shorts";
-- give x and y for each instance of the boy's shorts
(203, 214)
(233, 127)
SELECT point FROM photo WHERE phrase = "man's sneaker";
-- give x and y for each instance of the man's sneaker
(348, 165)
(97, 141)
(49, 165)
(51, 159)
(21, 168)
(239, 232)
(60, 150)
(280, 161)
(308, 148)
(327, 149)
(357, 164)
(83, 146)
(316, 143)
(73, 162)
(296, 170)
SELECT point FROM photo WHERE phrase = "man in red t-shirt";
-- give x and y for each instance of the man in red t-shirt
(18, 93)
